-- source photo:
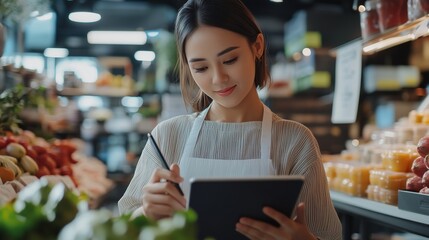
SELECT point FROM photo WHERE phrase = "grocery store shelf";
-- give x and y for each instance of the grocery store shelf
(397, 35)
(99, 91)
(381, 213)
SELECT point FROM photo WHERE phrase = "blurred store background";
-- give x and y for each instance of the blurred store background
(106, 79)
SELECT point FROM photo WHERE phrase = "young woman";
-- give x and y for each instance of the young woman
(232, 133)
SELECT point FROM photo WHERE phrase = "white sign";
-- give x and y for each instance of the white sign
(348, 70)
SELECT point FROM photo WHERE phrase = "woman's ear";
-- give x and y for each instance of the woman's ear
(259, 46)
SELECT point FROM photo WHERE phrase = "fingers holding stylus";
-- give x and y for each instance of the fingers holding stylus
(172, 175)
(160, 195)
(160, 204)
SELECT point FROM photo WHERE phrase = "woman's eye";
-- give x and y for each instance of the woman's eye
(201, 69)
(231, 61)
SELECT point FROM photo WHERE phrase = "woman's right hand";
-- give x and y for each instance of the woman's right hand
(160, 197)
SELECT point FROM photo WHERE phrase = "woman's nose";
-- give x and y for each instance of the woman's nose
(219, 75)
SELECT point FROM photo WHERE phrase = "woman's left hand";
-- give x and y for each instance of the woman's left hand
(289, 229)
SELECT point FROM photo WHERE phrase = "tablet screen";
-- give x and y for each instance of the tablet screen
(220, 202)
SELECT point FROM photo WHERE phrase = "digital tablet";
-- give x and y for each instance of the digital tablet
(220, 202)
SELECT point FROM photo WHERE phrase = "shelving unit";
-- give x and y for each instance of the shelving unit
(397, 35)
(99, 91)
(366, 214)
(380, 213)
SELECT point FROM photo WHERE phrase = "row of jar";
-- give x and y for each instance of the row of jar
(380, 15)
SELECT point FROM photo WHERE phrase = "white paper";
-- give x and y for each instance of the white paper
(348, 70)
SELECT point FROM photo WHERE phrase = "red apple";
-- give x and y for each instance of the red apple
(414, 184)
(426, 161)
(419, 167)
(425, 179)
(423, 146)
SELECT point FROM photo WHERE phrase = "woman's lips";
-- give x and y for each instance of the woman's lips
(226, 91)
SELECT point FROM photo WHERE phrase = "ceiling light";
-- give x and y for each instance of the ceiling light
(145, 56)
(84, 17)
(34, 13)
(153, 33)
(45, 17)
(306, 52)
(117, 37)
(132, 102)
(56, 52)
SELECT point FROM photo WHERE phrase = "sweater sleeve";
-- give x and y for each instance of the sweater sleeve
(320, 213)
(321, 216)
(170, 136)
(132, 198)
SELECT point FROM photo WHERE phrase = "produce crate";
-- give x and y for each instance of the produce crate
(413, 201)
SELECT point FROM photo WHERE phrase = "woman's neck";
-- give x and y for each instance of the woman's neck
(247, 112)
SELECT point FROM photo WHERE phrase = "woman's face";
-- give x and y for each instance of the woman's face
(222, 63)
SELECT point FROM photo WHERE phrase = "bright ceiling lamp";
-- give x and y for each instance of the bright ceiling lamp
(46, 17)
(56, 52)
(144, 56)
(117, 37)
(84, 17)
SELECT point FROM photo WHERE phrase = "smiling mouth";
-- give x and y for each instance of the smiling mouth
(226, 91)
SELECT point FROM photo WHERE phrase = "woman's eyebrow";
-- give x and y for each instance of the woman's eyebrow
(219, 54)
(227, 50)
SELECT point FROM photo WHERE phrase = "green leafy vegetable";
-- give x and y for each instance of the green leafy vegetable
(14, 100)
(101, 224)
(42, 211)
(39, 212)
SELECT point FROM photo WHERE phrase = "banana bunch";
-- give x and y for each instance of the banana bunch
(24, 164)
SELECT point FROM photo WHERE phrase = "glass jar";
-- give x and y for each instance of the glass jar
(369, 19)
(391, 13)
(417, 9)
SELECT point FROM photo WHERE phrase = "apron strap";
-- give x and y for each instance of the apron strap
(193, 135)
(267, 122)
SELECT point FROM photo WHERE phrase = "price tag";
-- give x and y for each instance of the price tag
(348, 70)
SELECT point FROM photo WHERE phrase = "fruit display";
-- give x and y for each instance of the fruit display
(25, 153)
(25, 157)
(380, 176)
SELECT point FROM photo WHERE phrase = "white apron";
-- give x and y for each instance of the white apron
(192, 167)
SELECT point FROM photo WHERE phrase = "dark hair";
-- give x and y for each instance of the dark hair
(231, 15)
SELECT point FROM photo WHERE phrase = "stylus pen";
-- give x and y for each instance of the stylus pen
(163, 159)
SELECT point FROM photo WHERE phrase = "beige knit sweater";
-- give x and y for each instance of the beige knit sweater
(294, 151)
